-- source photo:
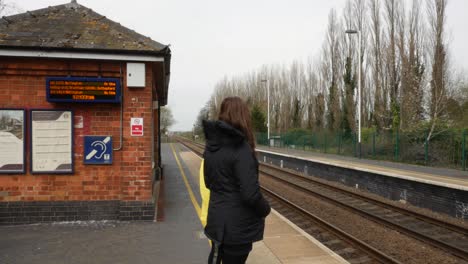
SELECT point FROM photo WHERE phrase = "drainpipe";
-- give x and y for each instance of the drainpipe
(121, 109)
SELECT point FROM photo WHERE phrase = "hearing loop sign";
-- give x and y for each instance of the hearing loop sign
(97, 150)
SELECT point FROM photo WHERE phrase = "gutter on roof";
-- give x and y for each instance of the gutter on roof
(161, 52)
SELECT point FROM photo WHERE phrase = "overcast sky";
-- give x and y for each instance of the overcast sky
(211, 39)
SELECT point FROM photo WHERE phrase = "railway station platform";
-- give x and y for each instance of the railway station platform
(178, 238)
(283, 241)
(438, 190)
(450, 178)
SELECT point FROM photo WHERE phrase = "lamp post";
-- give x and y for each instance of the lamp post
(268, 111)
(352, 31)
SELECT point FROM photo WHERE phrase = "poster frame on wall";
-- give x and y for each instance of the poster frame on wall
(23, 170)
(32, 143)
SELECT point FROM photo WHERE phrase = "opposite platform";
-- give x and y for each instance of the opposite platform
(449, 178)
(439, 190)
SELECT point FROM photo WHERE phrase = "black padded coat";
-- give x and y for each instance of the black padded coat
(237, 209)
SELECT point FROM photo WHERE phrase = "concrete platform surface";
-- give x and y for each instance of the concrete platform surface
(283, 241)
(286, 243)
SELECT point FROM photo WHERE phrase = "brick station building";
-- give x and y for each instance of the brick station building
(67, 74)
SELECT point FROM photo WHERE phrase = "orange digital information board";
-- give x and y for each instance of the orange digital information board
(83, 90)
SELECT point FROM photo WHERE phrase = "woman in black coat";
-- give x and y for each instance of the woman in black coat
(237, 209)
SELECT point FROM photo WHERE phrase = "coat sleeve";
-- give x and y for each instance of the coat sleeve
(246, 171)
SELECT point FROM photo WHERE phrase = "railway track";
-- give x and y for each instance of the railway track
(342, 243)
(446, 236)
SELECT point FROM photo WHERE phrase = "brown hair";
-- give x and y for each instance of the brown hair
(235, 112)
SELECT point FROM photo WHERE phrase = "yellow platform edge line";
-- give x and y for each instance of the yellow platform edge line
(189, 189)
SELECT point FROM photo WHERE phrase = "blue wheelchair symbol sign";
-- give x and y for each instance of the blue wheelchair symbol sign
(97, 150)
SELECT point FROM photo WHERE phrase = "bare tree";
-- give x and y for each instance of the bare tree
(310, 94)
(167, 119)
(439, 76)
(8, 8)
(332, 53)
(203, 114)
(320, 101)
(320, 111)
(391, 15)
(377, 79)
(411, 95)
(2, 7)
(360, 23)
(296, 80)
(402, 62)
(349, 76)
(405, 73)
(275, 99)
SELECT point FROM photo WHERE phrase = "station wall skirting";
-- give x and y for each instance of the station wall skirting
(18, 213)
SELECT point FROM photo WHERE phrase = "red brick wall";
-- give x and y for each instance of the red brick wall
(23, 85)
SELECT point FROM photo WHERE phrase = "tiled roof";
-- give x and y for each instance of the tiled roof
(72, 26)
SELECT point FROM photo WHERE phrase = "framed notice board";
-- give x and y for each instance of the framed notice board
(12, 147)
(51, 141)
(83, 90)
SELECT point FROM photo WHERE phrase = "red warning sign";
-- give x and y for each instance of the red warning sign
(136, 127)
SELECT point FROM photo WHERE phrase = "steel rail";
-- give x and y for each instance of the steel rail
(380, 220)
(427, 219)
(355, 242)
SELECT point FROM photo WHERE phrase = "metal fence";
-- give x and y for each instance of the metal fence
(447, 149)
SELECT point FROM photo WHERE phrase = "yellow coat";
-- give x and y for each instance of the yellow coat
(205, 195)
